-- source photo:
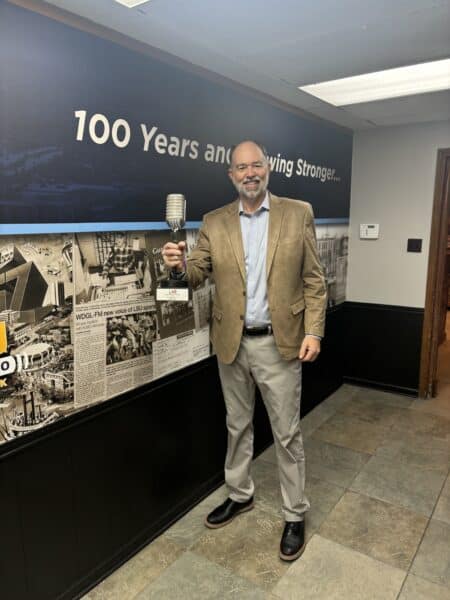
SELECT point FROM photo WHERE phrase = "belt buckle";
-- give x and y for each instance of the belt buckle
(267, 330)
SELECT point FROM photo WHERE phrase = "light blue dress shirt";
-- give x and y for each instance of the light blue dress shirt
(254, 228)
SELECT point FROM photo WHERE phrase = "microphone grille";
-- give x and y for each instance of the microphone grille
(175, 207)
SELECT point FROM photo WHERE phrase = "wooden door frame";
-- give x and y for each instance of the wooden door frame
(436, 269)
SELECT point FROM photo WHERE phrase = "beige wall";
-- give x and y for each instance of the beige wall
(393, 184)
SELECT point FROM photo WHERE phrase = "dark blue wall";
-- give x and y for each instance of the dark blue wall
(50, 70)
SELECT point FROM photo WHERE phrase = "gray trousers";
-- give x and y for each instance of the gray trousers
(279, 381)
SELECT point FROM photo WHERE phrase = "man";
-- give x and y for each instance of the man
(270, 290)
(120, 259)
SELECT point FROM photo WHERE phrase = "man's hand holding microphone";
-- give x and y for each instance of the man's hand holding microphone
(174, 256)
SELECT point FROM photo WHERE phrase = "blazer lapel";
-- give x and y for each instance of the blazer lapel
(233, 226)
(275, 220)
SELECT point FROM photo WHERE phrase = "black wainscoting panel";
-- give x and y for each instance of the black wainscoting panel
(324, 376)
(12, 558)
(88, 492)
(45, 500)
(383, 345)
(98, 475)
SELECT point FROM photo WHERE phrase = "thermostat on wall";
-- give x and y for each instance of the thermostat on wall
(369, 232)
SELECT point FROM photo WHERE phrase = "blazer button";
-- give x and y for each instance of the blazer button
(241, 317)
(243, 293)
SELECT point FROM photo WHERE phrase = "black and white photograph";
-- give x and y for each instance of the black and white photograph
(332, 244)
(173, 317)
(130, 336)
(191, 240)
(155, 240)
(36, 295)
(202, 300)
(111, 267)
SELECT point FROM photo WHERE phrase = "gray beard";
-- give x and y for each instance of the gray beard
(252, 195)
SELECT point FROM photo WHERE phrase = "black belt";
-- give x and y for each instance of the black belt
(266, 330)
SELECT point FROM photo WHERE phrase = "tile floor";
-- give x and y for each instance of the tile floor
(379, 527)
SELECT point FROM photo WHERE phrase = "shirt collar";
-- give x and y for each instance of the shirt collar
(264, 206)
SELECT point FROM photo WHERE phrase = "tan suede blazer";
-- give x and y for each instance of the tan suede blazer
(295, 282)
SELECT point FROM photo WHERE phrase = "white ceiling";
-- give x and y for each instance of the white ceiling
(274, 46)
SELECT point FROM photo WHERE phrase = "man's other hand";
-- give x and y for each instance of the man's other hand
(173, 255)
(309, 349)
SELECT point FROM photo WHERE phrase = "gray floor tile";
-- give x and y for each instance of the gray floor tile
(315, 419)
(327, 408)
(416, 588)
(322, 413)
(373, 411)
(414, 421)
(433, 558)
(381, 530)
(249, 547)
(401, 484)
(442, 511)
(335, 464)
(268, 455)
(418, 450)
(341, 396)
(195, 578)
(189, 528)
(329, 571)
(351, 432)
(267, 487)
(138, 572)
(322, 495)
(387, 398)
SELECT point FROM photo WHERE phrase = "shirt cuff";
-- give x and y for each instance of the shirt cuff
(318, 337)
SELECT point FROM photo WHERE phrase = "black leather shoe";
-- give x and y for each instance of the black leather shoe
(293, 540)
(225, 513)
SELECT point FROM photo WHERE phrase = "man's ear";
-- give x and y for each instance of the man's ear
(230, 174)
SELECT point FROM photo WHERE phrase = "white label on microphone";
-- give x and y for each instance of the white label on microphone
(172, 294)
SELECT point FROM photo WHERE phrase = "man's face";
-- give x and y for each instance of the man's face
(249, 171)
(120, 241)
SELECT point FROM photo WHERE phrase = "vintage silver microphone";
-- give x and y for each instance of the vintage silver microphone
(175, 290)
(175, 214)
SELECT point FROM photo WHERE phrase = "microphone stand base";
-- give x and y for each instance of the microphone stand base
(172, 290)
(173, 283)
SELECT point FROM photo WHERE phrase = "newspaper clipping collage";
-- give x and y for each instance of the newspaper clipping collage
(79, 323)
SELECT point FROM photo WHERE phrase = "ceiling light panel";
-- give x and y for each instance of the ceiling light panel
(392, 83)
(132, 3)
